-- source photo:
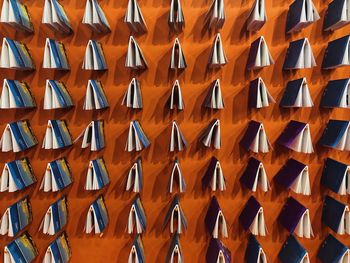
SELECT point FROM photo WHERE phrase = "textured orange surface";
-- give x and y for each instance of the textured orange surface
(155, 119)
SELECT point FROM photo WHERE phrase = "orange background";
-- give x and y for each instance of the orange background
(155, 119)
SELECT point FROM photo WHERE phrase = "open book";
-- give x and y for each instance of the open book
(336, 94)
(58, 251)
(56, 217)
(255, 138)
(137, 139)
(337, 53)
(294, 175)
(93, 136)
(254, 251)
(176, 19)
(335, 176)
(135, 177)
(97, 217)
(17, 137)
(215, 221)
(95, 18)
(26, 246)
(217, 57)
(16, 175)
(174, 254)
(293, 251)
(16, 95)
(15, 55)
(55, 56)
(57, 135)
(134, 56)
(176, 99)
(259, 96)
(336, 216)
(299, 55)
(214, 176)
(337, 15)
(257, 16)
(57, 176)
(255, 176)
(177, 139)
(297, 137)
(137, 218)
(215, 17)
(94, 58)
(95, 97)
(16, 217)
(177, 176)
(296, 218)
(97, 175)
(259, 55)
(175, 217)
(297, 94)
(14, 13)
(252, 218)
(332, 250)
(137, 252)
(218, 252)
(56, 96)
(214, 99)
(336, 135)
(177, 60)
(55, 17)
(134, 18)
(211, 135)
(301, 14)
(133, 96)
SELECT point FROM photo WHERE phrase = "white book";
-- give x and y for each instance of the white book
(261, 180)
(176, 216)
(301, 184)
(263, 97)
(91, 225)
(177, 139)
(16, 16)
(308, 15)
(9, 59)
(176, 17)
(135, 177)
(7, 180)
(176, 174)
(92, 136)
(212, 135)
(134, 57)
(8, 141)
(306, 58)
(262, 257)
(176, 99)
(260, 142)
(133, 97)
(220, 226)
(95, 97)
(134, 222)
(217, 56)
(257, 16)
(259, 55)
(214, 98)
(47, 225)
(49, 184)
(345, 184)
(16, 94)
(55, 17)
(215, 17)
(134, 18)
(218, 179)
(54, 99)
(137, 139)
(54, 55)
(258, 226)
(94, 58)
(95, 17)
(177, 60)
(304, 229)
(302, 142)
(56, 138)
(97, 175)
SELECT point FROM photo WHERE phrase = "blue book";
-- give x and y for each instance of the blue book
(334, 176)
(61, 92)
(175, 250)
(97, 49)
(61, 173)
(334, 214)
(336, 15)
(139, 212)
(299, 55)
(59, 214)
(21, 173)
(335, 134)
(100, 171)
(301, 14)
(60, 133)
(137, 249)
(141, 134)
(292, 251)
(25, 56)
(100, 94)
(174, 213)
(99, 134)
(59, 250)
(20, 93)
(332, 250)
(61, 13)
(254, 252)
(16, 52)
(22, 134)
(21, 16)
(296, 94)
(62, 55)
(337, 53)
(335, 94)
(136, 133)
(19, 215)
(22, 249)
(100, 213)
(54, 53)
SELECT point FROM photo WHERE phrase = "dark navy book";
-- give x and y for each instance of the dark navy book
(249, 212)
(297, 10)
(249, 175)
(21, 173)
(290, 133)
(335, 94)
(208, 176)
(172, 214)
(289, 173)
(254, 252)
(334, 176)
(333, 214)
(292, 251)
(250, 134)
(337, 53)
(296, 94)
(212, 215)
(217, 252)
(336, 15)
(295, 53)
(333, 134)
(174, 248)
(291, 214)
(332, 250)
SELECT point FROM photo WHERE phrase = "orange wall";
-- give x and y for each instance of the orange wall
(156, 84)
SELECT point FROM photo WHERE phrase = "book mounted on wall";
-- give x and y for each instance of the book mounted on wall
(332, 249)
(94, 58)
(259, 95)
(95, 96)
(137, 252)
(175, 214)
(176, 176)
(175, 100)
(55, 56)
(95, 18)
(55, 17)
(17, 175)
(15, 14)
(176, 19)
(217, 57)
(255, 138)
(134, 18)
(299, 55)
(57, 176)
(252, 218)
(57, 96)
(134, 57)
(57, 135)
(336, 216)
(293, 251)
(259, 55)
(16, 95)
(337, 53)
(215, 221)
(337, 15)
(217, 252)
(137, 139)
(97, 217)
(257, 16)
(254, 251)
(175, 254)
(336, 93)
(177, 59)
(93, 136)
(97, 175)
(336, 135)
(178, 141)
(133, 96)
(15, 55)
(21, 249)
(254, 176)
(214, 99)
(335, 176)
(55, 218)
(215, 17)
(296, 95)
(135, 177)
(137, 218)
(59, 250)
(212, 135)
(214, 176)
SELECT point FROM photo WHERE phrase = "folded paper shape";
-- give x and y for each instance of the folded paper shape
(175, 213)
(176, 19)
(17, 137)
(254, 176)
(134, 57)
(217, 252)
(15, 55)
(254, 252)
(217, 56)
(95, 97)
(135, 177)
(214, 176)
(177, 176)
(215, 221)
(57, 176)
(336, 135)
(297, 137)
(211, 135)
(59, 250)
(296, 218)
(21, 249)
(294, 175)
(137, 252)
(133, 96)
(336, 216)
(94, 58)
(255, 138)
(337, 15)
(93, 136)
(97, 217)
(335, 176)
(215, 17)
(301, 14)
(55, 56)
(252, 218)
(134, 18)
(16, 175)
(259, 96)
(56, 217)
(336, 93)
(16, 95)
(177, 139)
(332, 250)
(95, 18)
(337, 53)
(176, 99)
(174, 254)
(296, 95)
(137, 217)
(257, 16)
(57, 135)
(214, 99)
(97, 176)
(57, 96)
(137, 139)
(55, 17)
(259, 55)
(177, 60)
(14, 13)
(16, 218)
(299, 55)
(293, 251)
